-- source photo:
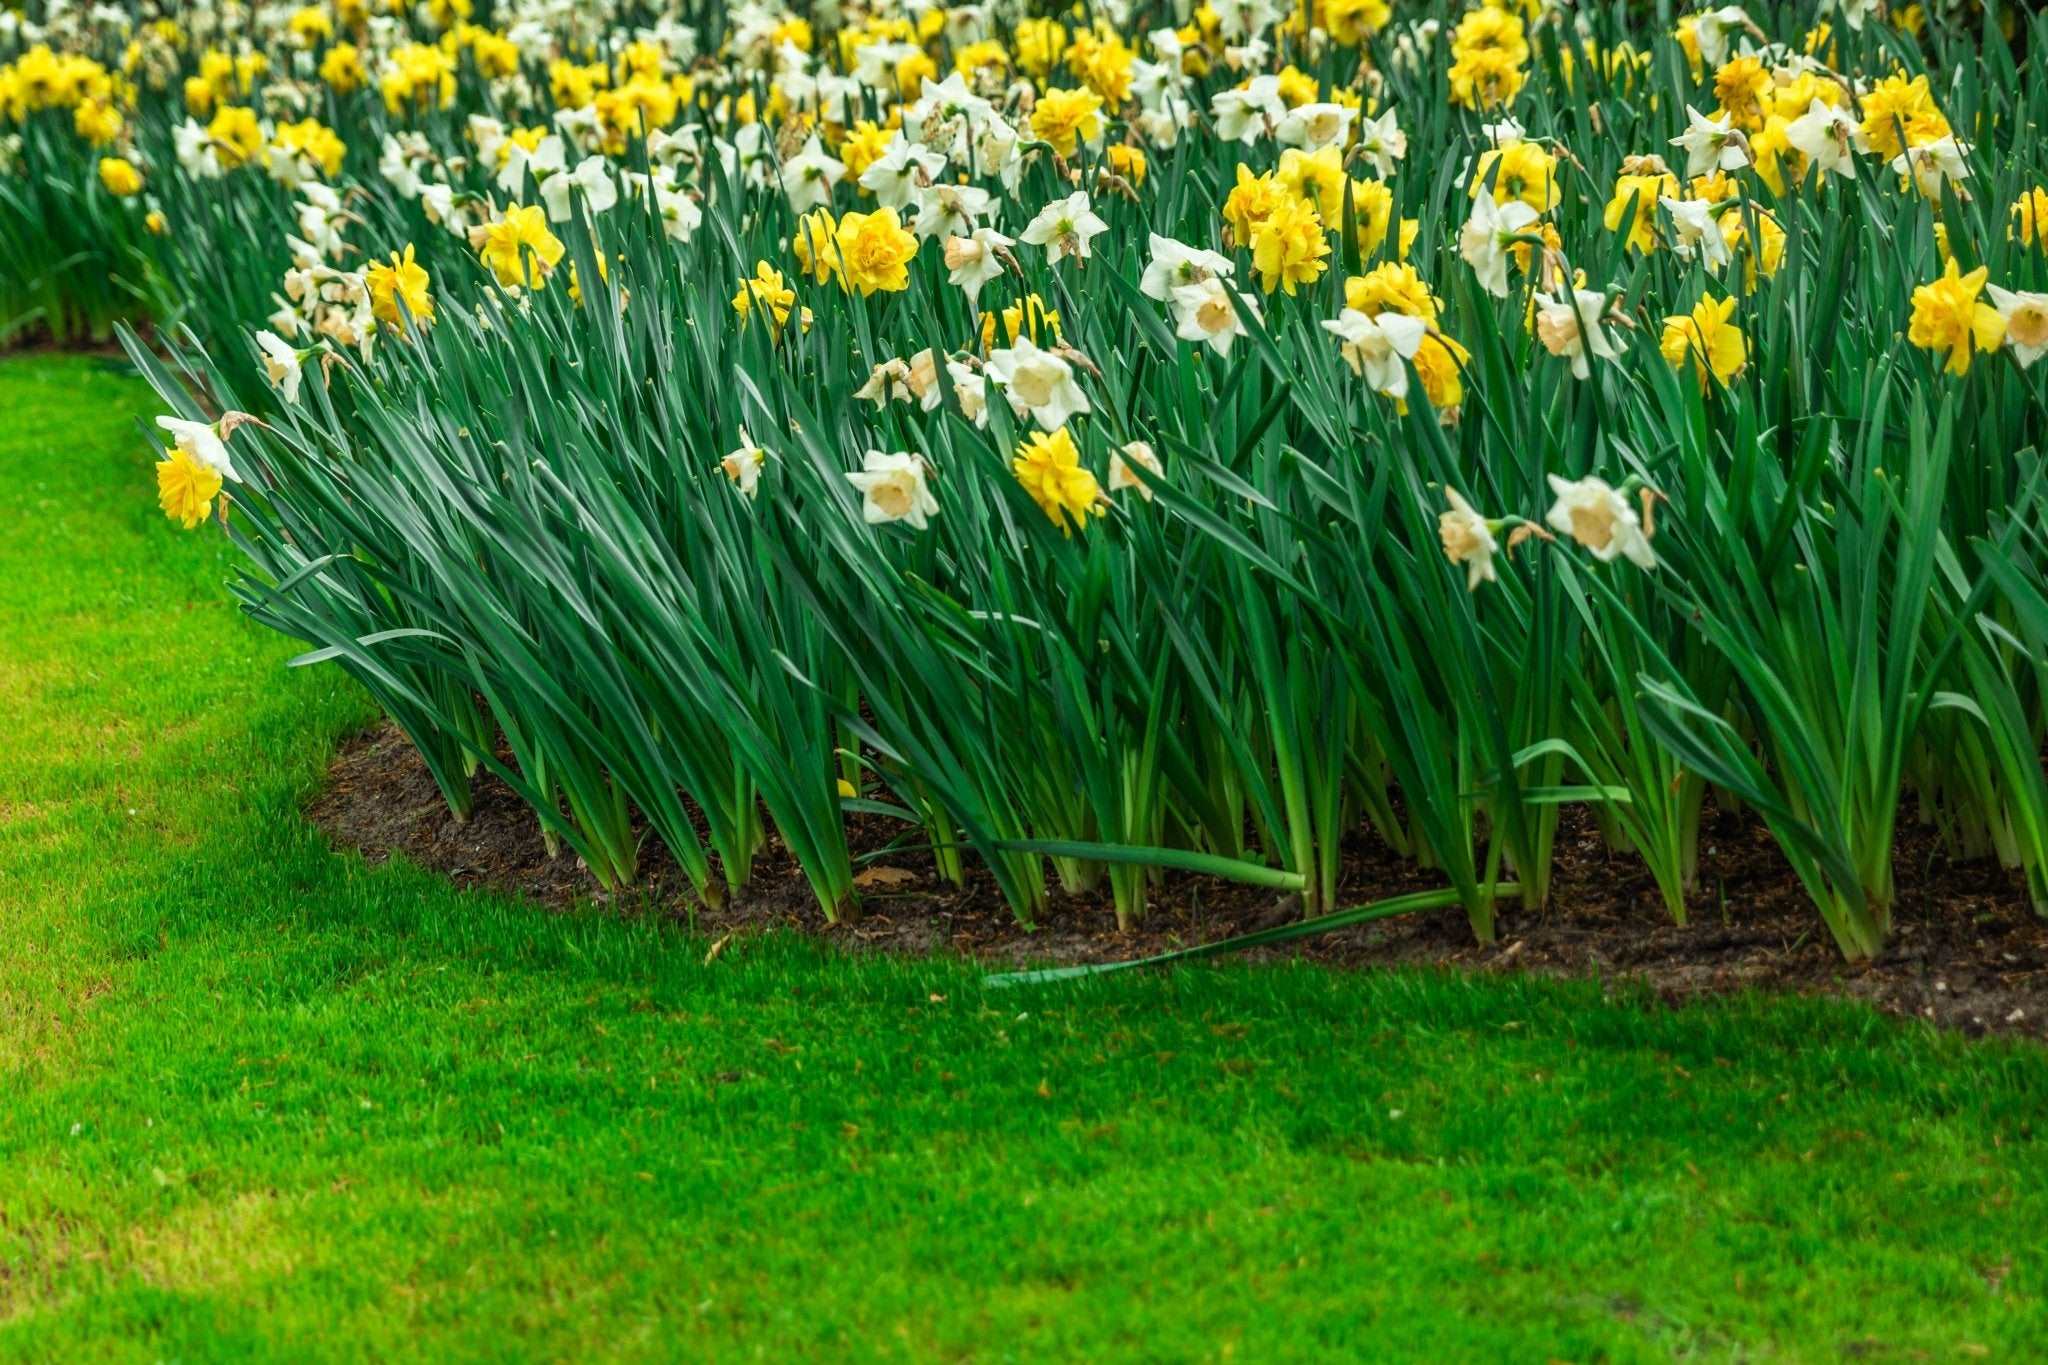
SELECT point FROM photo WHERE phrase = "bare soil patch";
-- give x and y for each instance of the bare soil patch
(1967, 952)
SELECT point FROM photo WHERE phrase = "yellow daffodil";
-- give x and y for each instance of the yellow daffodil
(1049, 467)
(1949, 316)
(1706, 339)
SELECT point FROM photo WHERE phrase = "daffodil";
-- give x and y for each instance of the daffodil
(1696, 232)
(809, 176)
(1488, 238)
(1707, 340)
(1572, 326)
(186, 487)
(1290, 248)
(1037, 382)
(2025, 318)
(1949, 317)
(1065, 227)
(1376, 348)
(283, 365)
(1129, 457)
(518, 248)
(1203, 312)
(1468, 540)
(1048, 465)
(972, 261)
(1174, 265)
(772, 294)
(1596, 516)
(1829, 138)
(743, 465)
(398, 290)
(119, 176)
(874, 252)
(893, 487)
(1711, 144)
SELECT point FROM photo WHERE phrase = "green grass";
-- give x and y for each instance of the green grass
(257, 1100)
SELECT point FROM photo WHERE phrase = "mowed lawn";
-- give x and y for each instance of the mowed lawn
(257, 1101)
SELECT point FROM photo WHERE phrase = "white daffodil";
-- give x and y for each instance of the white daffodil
(201, 441)
(1037, 382)
(1718, 31)
(1382, 142)
(1933, 162)
(1698, 232)
(1467, 540)
(582, 128)
(1711, 144)
(1488, 238)
(743, 465)
(1175, 264)
(1202, 312)
(972, 261)
(2026, 322)
(1311, 126)
(1134, 455)
(1244, 115)
(1377, 348)
(808, 177)
(195, 150)
(888, 380)
(1503, 135)
(1065, 226)
(1571, 327)
(1593, 514)
(893, 487)
(901, 173)
(951, 210)
(1242, 20)
(543, 161)
(1829, 137)
(592, 179)
(281, 364)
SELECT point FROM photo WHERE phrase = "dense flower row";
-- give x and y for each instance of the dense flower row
(1370, 222)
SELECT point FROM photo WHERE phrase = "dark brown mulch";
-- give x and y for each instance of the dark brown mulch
(1966, 952)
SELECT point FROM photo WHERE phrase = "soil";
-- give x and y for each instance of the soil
(1966, 951)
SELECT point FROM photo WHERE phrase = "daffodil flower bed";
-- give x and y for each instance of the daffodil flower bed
(1112, 442)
